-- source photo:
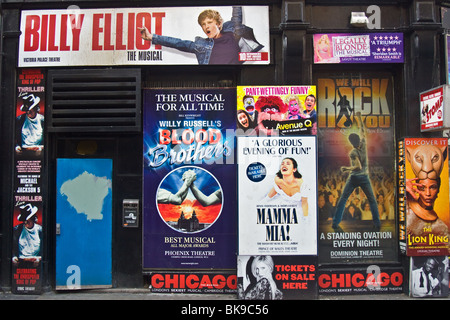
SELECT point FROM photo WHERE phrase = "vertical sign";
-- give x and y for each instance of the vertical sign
(433, 109)
(277, 195)
(28, 208)
(356, 169)
(427, 196)
(277, 192)
(189, 217)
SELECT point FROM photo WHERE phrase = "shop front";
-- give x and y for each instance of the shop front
(163, 153)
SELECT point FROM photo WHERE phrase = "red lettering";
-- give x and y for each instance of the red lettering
(182, 281)
(107, 36)
(52, 34)
(158, 24)
(201, 136)
(32, 26)
(157, 281)
(142, 19)
(76, 30)
(232, 282)
(219, 281)
(214, 136)
(131, 27)
(338, 280)
(190, 281)
(96, 30)
(44, 32)
(383, 279)
(324, 281)
(358, 280)
(205, 282)
(63, 43)
(164, 136)
(171, 281)
(397, 279)
(119, 32)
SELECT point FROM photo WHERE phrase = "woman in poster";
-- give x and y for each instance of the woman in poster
(245, 126)
(289, 185)
(421, 216)
(265, 287)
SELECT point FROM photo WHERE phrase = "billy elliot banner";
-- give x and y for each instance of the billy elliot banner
(358, 48)
(144, 36)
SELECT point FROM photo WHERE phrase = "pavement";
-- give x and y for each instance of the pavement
(145, 294)
(210, 306)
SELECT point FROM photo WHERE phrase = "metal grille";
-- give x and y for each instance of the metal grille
(94, 100)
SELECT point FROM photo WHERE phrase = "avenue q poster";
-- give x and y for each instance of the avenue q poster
(189, 219)
(144, 36)
(356, 169)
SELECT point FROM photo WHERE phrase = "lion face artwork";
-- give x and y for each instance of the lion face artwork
(427, 160)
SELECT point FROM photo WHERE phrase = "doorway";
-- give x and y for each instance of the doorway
(83, 223)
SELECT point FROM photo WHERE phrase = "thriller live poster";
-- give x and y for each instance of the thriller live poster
(189, 218)
(28, 204)
(356, 169)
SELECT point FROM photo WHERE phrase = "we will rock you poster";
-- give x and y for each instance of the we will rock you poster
(189, 217)
(356, 200)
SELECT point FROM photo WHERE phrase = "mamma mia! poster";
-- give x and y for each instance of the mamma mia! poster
(189, 214)
(277, 186)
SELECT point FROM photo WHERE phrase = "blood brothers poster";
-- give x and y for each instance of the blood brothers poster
(189, 217)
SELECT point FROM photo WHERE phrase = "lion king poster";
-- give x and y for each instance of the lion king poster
(427, 196)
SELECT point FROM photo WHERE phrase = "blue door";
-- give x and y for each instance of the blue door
(84, 227)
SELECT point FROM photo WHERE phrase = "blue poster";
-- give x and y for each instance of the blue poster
(84, 227)
(189, 205)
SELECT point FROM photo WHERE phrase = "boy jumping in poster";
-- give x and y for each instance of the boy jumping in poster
(359, 177)
(223, 41)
